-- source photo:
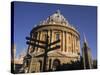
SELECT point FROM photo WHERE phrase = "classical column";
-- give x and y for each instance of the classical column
(39, 39)
(50, 60)
(37, 42)
(72, 44)
(63, 41)
(66, 42)
(71, 40)
(52, 37)
(35, 37)
(78, 45)
(49, 35)
(30, 66)
(30, 47)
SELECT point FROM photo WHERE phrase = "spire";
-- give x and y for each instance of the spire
(85, 41)
(86, 53)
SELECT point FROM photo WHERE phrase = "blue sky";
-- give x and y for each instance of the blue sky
(27, 14)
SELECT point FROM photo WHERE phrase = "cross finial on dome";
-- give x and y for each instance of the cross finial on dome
(58, 11)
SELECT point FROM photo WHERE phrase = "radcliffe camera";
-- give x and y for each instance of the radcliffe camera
(52, 37)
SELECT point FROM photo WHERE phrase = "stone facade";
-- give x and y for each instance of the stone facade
(13, 56)
(56, 27)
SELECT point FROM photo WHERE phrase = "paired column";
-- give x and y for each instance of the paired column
(74, 50)
(78, 45)
(31, 48)
(70, 43)
(39, 38)
(67, 42)
(66, 39)
(74, 44)
(52, 36)
(63, 41)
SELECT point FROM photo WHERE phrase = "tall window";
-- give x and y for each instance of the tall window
(57, 36)
(44, 36)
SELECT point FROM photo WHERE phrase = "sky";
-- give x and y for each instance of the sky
(29, 14)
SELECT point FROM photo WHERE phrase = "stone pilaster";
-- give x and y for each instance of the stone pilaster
(75, 43)
(78, 45)
(63, 41)
(66, 41)
(71, 41)
(72, 44)
(52, 40)
(50, 36)
(40, 40)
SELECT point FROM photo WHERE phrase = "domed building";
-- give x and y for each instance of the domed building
(56, 27)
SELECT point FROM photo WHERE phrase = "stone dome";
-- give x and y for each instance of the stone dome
(56, 18)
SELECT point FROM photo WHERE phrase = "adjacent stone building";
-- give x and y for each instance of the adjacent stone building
(13, 57)
(55, 27)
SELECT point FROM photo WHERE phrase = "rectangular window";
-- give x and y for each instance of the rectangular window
(44, 36)
(57, 36)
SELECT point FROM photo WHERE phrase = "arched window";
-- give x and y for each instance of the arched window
(56, 64)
